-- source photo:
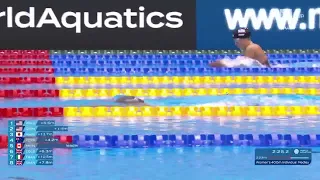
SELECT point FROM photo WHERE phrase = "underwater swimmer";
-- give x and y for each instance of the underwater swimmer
(253, 53)
(124, 100)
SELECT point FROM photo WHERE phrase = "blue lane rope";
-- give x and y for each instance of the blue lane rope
(177, 56)
(184, 70)
(140, 141)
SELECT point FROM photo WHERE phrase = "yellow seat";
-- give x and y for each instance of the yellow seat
(187, 92)
(113, 80)
(153, 92)
(176, 80)
(262, 91)
(312, 91)
(116, 111)
(145, 80)
(161, 111)
(236, 91)
(78, 93)
(207, 80)
(302, 79)
(250, 91)
(101, 111)
(281, 111)
(267, 111)
(222, 111)
(114, 92)
(60, 80)
(130, 111)
(176, 111)
(218, 80)
(176, 92)
(290, 79)
(213, 91)
(275, 91)
(198, 80)
(249, 80)
(299, 91)
(70, 80)
(239, 79)
(102, 93)
(70, 112)
(82, 81)
(286, 90)
(127, 92)
(237, 111)
(224, 91)
(86, 111)
(92, 80)
(165, 92)
(124, 80)
(251, 111)
(102, 80)
(296, 110)
(206, 111)
(280, 79)
(165, 80)
(200, 92)
(65, 93)
(90, 93)
(312, 110)
(148, 111)
(194, 111)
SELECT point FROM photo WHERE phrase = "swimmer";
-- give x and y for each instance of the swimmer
(124, 100)
(253, 53)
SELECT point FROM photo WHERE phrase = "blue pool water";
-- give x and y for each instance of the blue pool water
(222, 100)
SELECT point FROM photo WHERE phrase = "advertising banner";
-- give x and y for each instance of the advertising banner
(274, 24)
(98, 24)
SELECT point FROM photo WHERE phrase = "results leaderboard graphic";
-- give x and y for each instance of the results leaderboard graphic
(32, 142)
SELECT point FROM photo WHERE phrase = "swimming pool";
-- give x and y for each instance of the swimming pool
(281, 87)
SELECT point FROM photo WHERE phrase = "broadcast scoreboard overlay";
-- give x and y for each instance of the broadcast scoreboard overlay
(283, 156)
(32, 142)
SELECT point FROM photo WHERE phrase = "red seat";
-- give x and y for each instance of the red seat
(6, 80)
(52, 93)
(40, 112)
(3, 93)
(2, 113)
(9, 112)
(39, 93)
(47, 70)
(7, 70)
(22, 93)
(45, 80)
(23, 80)
(44, 62)
(56, 111)
(25, 112)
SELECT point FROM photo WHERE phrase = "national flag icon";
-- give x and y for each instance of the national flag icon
(19, 139)
(19, 157)
(19, 163)
(19, 123)
(19, 134)
(19, 129)
(19, 151)
(19, 145)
